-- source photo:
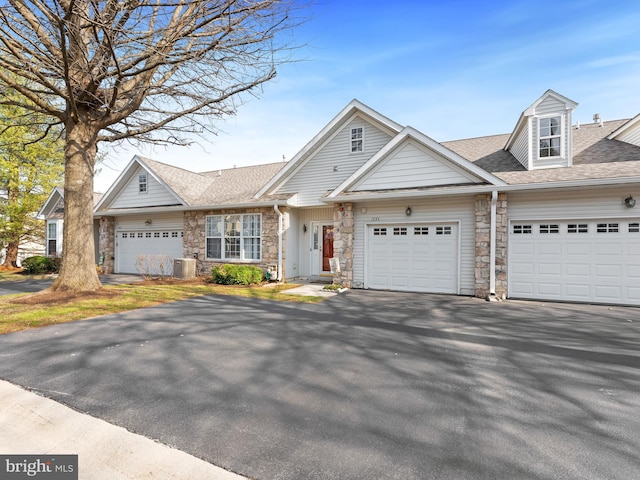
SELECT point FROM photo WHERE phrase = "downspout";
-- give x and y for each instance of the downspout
(275, 207)
(492, 248)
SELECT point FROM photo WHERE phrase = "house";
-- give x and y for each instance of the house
(53, 213)
(545, 212)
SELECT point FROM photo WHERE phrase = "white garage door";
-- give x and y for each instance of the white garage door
(413, 257)
(587, 261)
(142, 252)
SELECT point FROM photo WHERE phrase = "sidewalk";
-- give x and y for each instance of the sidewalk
(31, 424)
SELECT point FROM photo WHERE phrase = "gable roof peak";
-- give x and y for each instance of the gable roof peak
(568, 103)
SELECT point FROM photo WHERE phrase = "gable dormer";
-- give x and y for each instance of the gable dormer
(629, 132)
(542, 136)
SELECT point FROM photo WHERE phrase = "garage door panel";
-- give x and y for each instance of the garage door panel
(554, 269)
(551, 289)
(610, 293)
(418, 261)
(576, 249)
(599, 263)
(578, 269)
(578, 291)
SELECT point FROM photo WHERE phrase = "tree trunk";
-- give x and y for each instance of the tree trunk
(78, 271)
(11, 255)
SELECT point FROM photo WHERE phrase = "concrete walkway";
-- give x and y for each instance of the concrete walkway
(34, 425)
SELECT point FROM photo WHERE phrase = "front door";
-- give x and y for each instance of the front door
(321, 248)
(327, 247)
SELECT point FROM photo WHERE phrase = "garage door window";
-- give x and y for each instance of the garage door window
(521, 229)
(578, 228)
(234, 237)
(608, 228)
(634, 228)
(549, 228)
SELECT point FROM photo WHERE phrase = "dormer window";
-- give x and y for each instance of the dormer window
(550, 136)
(142, 183)
(357, 139)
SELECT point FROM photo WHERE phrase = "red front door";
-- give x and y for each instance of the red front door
(327, 247)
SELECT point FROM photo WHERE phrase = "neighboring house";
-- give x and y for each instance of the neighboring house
(545, 212)
(53, 213)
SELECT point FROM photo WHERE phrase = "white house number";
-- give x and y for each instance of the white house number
(375, 219)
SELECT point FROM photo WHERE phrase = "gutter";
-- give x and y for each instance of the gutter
(280, 215)
(492, 248)
(464, 190)
(183, 208)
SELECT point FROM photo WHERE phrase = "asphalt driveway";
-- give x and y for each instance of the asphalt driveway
(364, 385)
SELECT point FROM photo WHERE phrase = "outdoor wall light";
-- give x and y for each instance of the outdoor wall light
(148, 222)
(304, 228)
(630, 202)
(408, 211)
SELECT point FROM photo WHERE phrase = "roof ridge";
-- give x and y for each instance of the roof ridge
(241, 167)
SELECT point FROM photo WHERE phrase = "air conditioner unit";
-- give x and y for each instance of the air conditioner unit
(184, 268)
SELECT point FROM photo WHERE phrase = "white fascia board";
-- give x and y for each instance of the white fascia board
(467, 190)
(516, 130)
(185, 208)
(635, 121)
(412, 133)
(57, 191)
(320, 138)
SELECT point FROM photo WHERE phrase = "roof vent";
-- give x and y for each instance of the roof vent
(597, 119)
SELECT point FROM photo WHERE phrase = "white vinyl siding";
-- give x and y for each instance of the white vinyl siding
(333, 163)
(632, 136)
(458, 210)
(589, 203)
(409, 166)
(155, 195)
(520, 148)
(169, 221)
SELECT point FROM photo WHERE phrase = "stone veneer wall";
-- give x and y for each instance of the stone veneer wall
(343, 243)
(106, 243)
(194, 238)
(483, 245)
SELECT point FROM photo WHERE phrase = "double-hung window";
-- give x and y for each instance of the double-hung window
(142, 183)
(357, 139)
(550, 136)
(52, 238)
(234, 237)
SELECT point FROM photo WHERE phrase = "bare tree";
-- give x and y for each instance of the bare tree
(151, 71)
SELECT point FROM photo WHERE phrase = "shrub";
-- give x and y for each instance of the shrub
(39, 264)
(236, 274)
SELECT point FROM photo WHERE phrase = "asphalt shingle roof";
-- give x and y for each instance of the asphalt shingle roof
(218, 187)
(594, 156)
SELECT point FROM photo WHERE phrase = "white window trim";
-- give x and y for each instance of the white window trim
(242, 237)
(145, 183)
(57, 238)
(351, 140)
(561, 136)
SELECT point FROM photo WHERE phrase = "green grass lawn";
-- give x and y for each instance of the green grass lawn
(23, 311)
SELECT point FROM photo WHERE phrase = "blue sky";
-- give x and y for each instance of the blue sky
(452, 69)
